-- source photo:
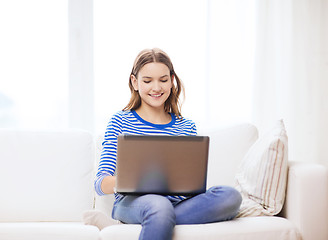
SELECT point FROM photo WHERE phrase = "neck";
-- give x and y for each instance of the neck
(154, 115)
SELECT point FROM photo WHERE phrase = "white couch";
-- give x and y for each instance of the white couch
(46, 183)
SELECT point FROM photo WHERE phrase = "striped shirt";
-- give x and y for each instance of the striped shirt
(129, 122)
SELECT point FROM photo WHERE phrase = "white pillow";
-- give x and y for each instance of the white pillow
(262, 175)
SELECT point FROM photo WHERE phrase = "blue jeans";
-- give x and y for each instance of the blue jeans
(158, 215)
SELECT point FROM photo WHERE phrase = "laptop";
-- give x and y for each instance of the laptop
(166, 165)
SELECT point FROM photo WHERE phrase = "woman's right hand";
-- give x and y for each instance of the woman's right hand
(108, 184)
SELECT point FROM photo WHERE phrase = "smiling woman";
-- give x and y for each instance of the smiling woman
(154, 115)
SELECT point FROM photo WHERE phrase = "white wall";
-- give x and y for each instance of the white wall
(291, 79)
(48, 79)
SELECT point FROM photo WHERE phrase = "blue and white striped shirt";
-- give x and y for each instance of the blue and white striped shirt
(129, 122)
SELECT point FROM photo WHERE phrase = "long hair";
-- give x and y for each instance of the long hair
(172, 104)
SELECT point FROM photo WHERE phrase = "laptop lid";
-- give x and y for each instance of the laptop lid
(168, 165)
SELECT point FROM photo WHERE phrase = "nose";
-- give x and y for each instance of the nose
(157, 86)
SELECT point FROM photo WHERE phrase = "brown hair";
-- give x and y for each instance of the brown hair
(172, 104)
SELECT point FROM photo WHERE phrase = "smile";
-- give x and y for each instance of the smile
(156, 95)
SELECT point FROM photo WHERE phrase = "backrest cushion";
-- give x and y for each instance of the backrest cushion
(45, 176)
(228, 146)
(262, 176)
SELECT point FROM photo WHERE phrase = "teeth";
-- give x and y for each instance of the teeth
(155, 95)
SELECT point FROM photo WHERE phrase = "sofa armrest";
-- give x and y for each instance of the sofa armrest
(306, 203)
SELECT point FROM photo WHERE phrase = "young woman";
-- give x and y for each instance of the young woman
(154, 109)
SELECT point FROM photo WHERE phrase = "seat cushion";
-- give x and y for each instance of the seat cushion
(48, 231)
(45, 176)
(248, 228)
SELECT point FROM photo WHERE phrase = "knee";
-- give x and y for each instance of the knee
(159, 209)
(159, 205)
(232, 198)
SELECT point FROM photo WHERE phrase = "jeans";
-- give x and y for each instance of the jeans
(158, 215)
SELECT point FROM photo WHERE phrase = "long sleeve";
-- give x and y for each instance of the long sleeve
(107, 163)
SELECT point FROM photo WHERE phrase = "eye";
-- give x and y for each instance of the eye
(146, 81)
(164, 80)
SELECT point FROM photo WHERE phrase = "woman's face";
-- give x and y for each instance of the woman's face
(154, 84)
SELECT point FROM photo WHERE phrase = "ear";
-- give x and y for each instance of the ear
(172, 80)
(134, 82)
